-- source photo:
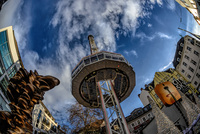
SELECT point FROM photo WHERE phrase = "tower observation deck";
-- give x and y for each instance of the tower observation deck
(103, 80)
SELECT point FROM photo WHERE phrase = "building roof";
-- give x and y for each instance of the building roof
(136, 113)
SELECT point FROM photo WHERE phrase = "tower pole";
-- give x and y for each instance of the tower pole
(120, 109)
(110, 102)
(93, 46)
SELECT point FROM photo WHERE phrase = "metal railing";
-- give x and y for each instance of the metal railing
(88, 60)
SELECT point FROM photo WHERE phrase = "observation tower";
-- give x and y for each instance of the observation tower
(103, 80)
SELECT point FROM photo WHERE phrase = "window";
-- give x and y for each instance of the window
(182, 44)
(182, 70)
(120, 58)
(193, 62)
(149, 115)
(101, 56)
(132, 125)
(191, 69)
(4, 50)
(198, 75)
(12, 72)
(178, 59)
(188, 48)
(188, 76)
(3, 86)
(186, 57)
(185, 64)
(196, 53)
(87, 61)
(138, 122)
(94, 58)
(179, 52)
(195, 83)
(186, 4)
(144, 119)
(108, 56)
(183, 1)
(1, 68)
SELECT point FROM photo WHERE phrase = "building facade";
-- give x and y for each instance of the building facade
(174, 112)
(139, 119)
(10, 62)
(171, 75)
(187, 60)
(42, 120)
(193, 6)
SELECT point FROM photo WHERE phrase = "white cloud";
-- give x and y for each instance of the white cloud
(132, 52)
(143, 36)
(171, 4)
(147, 80)
(165, 67)
(149, 25)
(159, 2)
(163, 35)
(73, 18)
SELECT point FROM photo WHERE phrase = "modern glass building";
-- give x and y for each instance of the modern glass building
(10, 62)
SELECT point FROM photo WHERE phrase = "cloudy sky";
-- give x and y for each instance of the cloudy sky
(52, 38)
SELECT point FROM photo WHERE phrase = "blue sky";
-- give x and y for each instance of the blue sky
(52, 38)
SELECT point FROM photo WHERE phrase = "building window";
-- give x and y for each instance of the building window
(178, 59)
(149, 115)
(183, 2)
(138, 122)
(186, 57)
(185, 64)
(181, 44)
(4, 50)
(196, 53)
(179, 52)
(188, 76)
(195, 83)
(186, 4)
(12, 72)
(3, 86)
(198, 75)
(1, 68)
(191, 69)
(193, 62)
(189, 48)
(182, 70)
(144, 119)
(132, 125)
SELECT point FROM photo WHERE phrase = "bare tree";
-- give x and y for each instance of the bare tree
(81, 118)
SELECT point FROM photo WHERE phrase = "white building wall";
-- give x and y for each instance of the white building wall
(189, 65)
(143, 97)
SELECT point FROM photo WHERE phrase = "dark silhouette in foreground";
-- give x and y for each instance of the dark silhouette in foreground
(24, 91)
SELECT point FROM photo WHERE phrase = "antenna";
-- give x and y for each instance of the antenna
(93, 46)
(195, 35)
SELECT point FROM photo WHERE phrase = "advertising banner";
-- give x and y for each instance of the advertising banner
(167, 93)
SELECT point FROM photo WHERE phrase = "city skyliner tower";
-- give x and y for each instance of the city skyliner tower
(103, 80)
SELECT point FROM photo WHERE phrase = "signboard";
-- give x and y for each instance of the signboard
(167, 93)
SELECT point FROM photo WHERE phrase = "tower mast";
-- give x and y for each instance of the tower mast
(103, 80)
(93, 46)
